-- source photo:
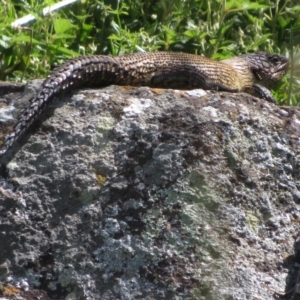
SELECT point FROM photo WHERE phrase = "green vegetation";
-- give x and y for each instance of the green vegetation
(217, 28)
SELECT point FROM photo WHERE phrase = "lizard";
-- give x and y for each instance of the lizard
(253, 73)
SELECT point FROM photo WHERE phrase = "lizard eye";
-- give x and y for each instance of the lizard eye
(275, 59)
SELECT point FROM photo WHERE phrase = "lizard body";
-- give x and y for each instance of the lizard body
(253, 73)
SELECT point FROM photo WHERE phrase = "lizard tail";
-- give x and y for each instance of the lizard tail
(73, 73)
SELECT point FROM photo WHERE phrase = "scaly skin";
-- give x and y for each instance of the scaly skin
(254, 73)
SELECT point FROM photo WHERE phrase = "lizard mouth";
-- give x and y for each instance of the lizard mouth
(284, 66)
(280, 71)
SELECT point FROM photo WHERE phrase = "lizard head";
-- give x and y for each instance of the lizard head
(267, 68)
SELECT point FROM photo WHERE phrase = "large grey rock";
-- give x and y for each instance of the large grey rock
(139, 193)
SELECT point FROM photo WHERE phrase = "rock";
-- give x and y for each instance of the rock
(139, 193)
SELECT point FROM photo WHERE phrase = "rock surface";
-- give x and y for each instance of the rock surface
(139, 193)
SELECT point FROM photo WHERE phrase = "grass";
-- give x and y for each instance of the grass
(217, 28)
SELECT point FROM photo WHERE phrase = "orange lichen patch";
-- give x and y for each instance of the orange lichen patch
(9, 291)
(126, 88)
(6, 129)
(157, 90)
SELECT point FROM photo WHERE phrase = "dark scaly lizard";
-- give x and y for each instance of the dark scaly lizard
(254, 73)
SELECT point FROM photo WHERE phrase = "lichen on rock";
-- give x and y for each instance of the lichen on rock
(139, 193)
